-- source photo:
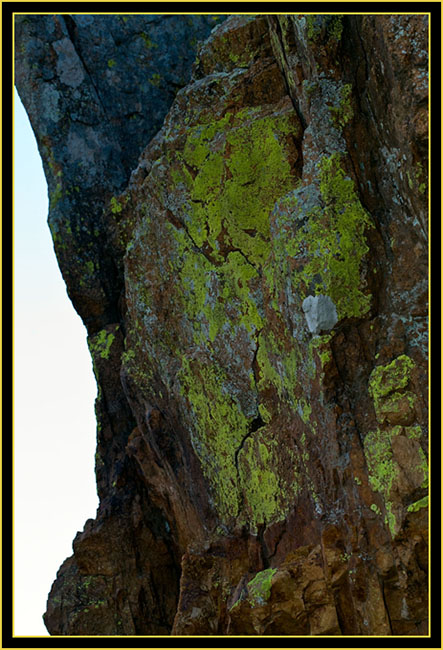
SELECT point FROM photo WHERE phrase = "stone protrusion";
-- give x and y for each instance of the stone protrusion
(320, 313)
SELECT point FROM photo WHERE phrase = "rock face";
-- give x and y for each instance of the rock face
(258, 472)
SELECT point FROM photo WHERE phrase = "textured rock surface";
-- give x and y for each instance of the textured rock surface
(253, 478)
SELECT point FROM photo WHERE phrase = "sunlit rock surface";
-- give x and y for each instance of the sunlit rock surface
(260, 472)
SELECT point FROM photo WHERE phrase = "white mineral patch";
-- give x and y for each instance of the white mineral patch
(320, 313)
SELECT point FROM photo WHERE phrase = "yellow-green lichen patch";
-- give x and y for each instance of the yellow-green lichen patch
(235, 170)
(423, 466)
(195, 275)
(266, 498)
(220, 427)
(330, 242)
(259, 588)
(378, 453)
(147, 41)
(396, 408)
(343, 113)
(387, 388)
(304, 411)
(212, 296)
(392, 377)
(422, 503)
(347, 245)
(155, 79)
(320, 346)
(137, 360)
(414, 432)
(382, 468)
(278, 364)
(55, 196)
(316, 23)
(100, 344)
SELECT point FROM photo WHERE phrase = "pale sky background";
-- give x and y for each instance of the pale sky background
(54, 393)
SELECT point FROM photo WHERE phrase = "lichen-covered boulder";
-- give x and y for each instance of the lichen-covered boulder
(262, 432)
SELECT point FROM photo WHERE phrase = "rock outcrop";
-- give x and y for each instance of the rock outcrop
(255, 294)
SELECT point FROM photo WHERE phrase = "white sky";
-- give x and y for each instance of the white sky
(54, 391)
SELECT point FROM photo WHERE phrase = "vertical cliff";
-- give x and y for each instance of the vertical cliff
(255, 294)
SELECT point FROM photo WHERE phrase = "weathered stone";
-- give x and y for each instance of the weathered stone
(253, 479)
(320, 312)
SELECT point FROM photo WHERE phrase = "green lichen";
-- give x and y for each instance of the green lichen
(346, 245)
(378, 453)
(383, 470)
(265, 414)
(331, 242)
(100, 345)
(147, 41)
(395, 405)
(234, 169)
(387, 383)
(335, 28)
(214, 253)
(155, 79)
(390, 519)
(259, 588)
(422, 503)
(137, 358)
(414, 432)
(423, 466)
(242, 167)
(111, 63)
(98, 460)
(241, 60)
(116, 206)
(220, 427)
(393, 376)
(55, 196)
(257, 468)
(322, 348)
(278, 368)
(315, 24)
(266, 495)
(343, 113)
(306, 411)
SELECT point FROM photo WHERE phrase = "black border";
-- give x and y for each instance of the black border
(8, 8)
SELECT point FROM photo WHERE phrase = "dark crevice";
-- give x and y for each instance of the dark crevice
(357, 29)
(275, 29)
(179, 224)
(256, 424)
(277, 542)
(261, 528)
(382, 587)
(246, 258)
